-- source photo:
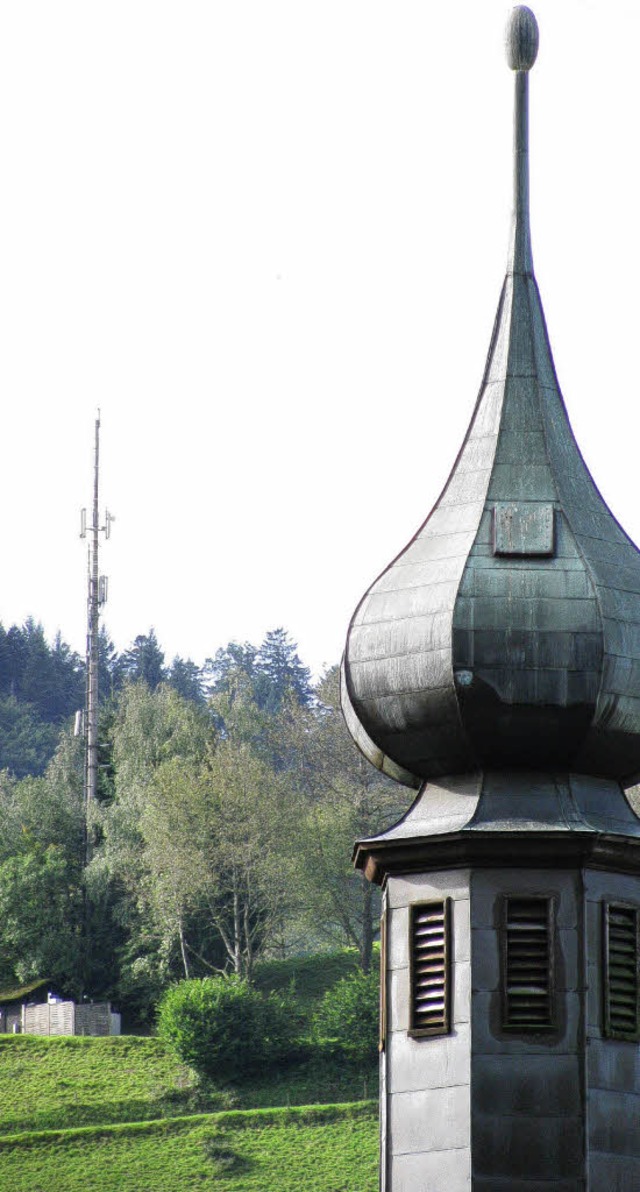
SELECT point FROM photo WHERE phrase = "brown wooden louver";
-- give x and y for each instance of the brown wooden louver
(527, 964)
(621, 958)
(429, 955)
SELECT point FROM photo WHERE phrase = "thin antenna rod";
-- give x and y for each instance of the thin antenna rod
(522, 48)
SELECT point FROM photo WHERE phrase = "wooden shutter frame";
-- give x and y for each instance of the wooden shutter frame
(418, 1032)
(611, 1031)
(382, 1034)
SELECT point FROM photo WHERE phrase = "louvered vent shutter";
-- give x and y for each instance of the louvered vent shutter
(429, 949)
(527, 964)
(621, 972)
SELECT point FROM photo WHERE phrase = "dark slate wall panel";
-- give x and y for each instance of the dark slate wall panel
(612, 1066)
(493, 1184)
(527, 1147)
(526, 1090)
(614, 1173)
(548, 1091)
(614, 1122)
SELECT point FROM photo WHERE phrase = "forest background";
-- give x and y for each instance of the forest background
(229, 798)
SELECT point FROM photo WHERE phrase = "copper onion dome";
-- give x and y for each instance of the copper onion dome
(507, 632)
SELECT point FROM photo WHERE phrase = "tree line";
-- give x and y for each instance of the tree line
(228, 801)
(42, 685)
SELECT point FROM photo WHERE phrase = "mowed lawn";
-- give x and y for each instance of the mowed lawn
(323, 1148)
(49, 1084)
(61, 1083)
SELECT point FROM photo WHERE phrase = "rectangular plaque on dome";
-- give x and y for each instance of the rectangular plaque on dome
(525, 528)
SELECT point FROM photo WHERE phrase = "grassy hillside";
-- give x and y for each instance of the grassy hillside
(309, 976)
(52, 1084)
(57, 1084)
(327, 1149)
(122, 1115)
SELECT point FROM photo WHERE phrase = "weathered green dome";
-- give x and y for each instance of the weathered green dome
(507, 632)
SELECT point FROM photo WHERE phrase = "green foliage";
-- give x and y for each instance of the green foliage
(192, 839)
(346, 1022)
(26, 742)
(41, 872)
(221, 833)
(41, 685)
(316, 1067)
(45, 811)
(224, 1027)
(238, 849)
(346, 799)
(40, 912)
(151, 727)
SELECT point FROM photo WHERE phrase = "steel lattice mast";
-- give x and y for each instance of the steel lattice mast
(96, 597)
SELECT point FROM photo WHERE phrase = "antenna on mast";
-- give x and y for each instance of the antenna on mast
(97, 586)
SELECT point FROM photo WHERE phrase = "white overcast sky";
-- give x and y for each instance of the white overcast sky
(267, 238)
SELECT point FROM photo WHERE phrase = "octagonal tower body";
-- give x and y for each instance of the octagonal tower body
(495, 666)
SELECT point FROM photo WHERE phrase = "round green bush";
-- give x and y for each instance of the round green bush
(346, 1021)
(224, 1027)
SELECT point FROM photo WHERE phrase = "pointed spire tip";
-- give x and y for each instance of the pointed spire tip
(521, 38)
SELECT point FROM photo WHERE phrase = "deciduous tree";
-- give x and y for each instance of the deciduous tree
(217, 843)
(346, 800)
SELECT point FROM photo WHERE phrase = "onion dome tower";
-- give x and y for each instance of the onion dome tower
(495, 666)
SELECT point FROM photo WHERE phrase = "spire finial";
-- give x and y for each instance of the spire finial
(521, 38)
(522, 48)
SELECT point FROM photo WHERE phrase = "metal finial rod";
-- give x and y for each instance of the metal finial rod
(522, 47)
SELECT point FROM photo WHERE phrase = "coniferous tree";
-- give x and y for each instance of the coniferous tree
(50, 678)
(143, 661)
(17, 655)
(186, 678)
(232, 665)
(280, 672)
(26, 741)
(108, 666)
